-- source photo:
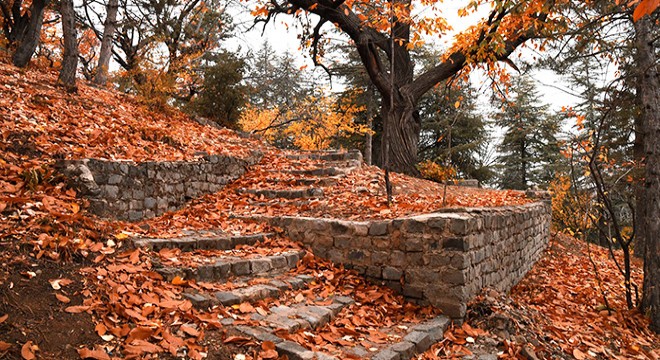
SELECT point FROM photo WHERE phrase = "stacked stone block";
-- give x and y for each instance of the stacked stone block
(133, 191)
(444, 259)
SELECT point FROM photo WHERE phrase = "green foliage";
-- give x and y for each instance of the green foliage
(453, 132)
(530, 149)
(223, 93)
(276, 81)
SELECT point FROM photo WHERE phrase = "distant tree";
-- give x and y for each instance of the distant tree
(452, 130)
(69, 69)
(529, 149)
(362, 93)
(276, 80)
(222, 94)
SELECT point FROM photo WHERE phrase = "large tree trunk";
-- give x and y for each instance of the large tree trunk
(403, 124)
(109, 27)
(70, 60)
(29, 41)
(649, 87)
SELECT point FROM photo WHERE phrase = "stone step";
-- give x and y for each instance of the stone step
(296, 317)
(336, 164)
(223, 267)
(419, 339)
(322, 171)
(248, 293)
(327, 155)
(199, 241)
(295, 203)
(304, 193)
(303, 316)
(310, 181)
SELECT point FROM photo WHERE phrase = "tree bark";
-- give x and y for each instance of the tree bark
(101, 77)
(368, 146)
(29, 41)
(649, 95)
(640, 204)
(70, 59)
(403, 126)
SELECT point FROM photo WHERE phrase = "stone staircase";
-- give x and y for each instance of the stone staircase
(306, 174)
(238, 272)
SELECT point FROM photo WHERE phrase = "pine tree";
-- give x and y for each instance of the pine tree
(530, 149)
(453, 131)
(223, 92)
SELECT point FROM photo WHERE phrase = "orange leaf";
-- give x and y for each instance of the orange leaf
(140, 333)
(178, 281)
(236, 339)
(101, 329)
(4, 346)
(246, 308)
(77, 309)
(97, 354)
(27, 351)
(189, 330)
(3, 318)
(268, 345)
(579, 355)
(62, 298)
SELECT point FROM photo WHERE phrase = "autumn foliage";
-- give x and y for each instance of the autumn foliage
(315, 123)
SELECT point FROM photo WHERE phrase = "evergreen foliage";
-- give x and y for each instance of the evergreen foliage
(529, 152)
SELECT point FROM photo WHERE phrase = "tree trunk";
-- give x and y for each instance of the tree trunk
(640, 204)
(650, 99)
(70, 60)
(109, 27)
(368, 146)
(28, 43)
(404, 127)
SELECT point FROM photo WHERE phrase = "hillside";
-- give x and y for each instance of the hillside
(73, 286)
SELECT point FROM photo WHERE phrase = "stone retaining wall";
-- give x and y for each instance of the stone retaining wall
(132, 191)
(444, 259)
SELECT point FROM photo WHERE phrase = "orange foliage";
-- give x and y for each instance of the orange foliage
(436, 172)
(314, 124)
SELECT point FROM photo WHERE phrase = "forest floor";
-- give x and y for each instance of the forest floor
(70, 287)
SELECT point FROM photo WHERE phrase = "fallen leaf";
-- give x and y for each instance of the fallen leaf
(3, 318)
(27, 351)
(101, 329)
(62, 298)
(97, 354)
(236, 339)
(579, 355)
(245, 308)
(4, 346)
(178, 281)
(189, 330)
(77, 309)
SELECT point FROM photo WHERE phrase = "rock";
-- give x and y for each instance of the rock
(528, 352)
